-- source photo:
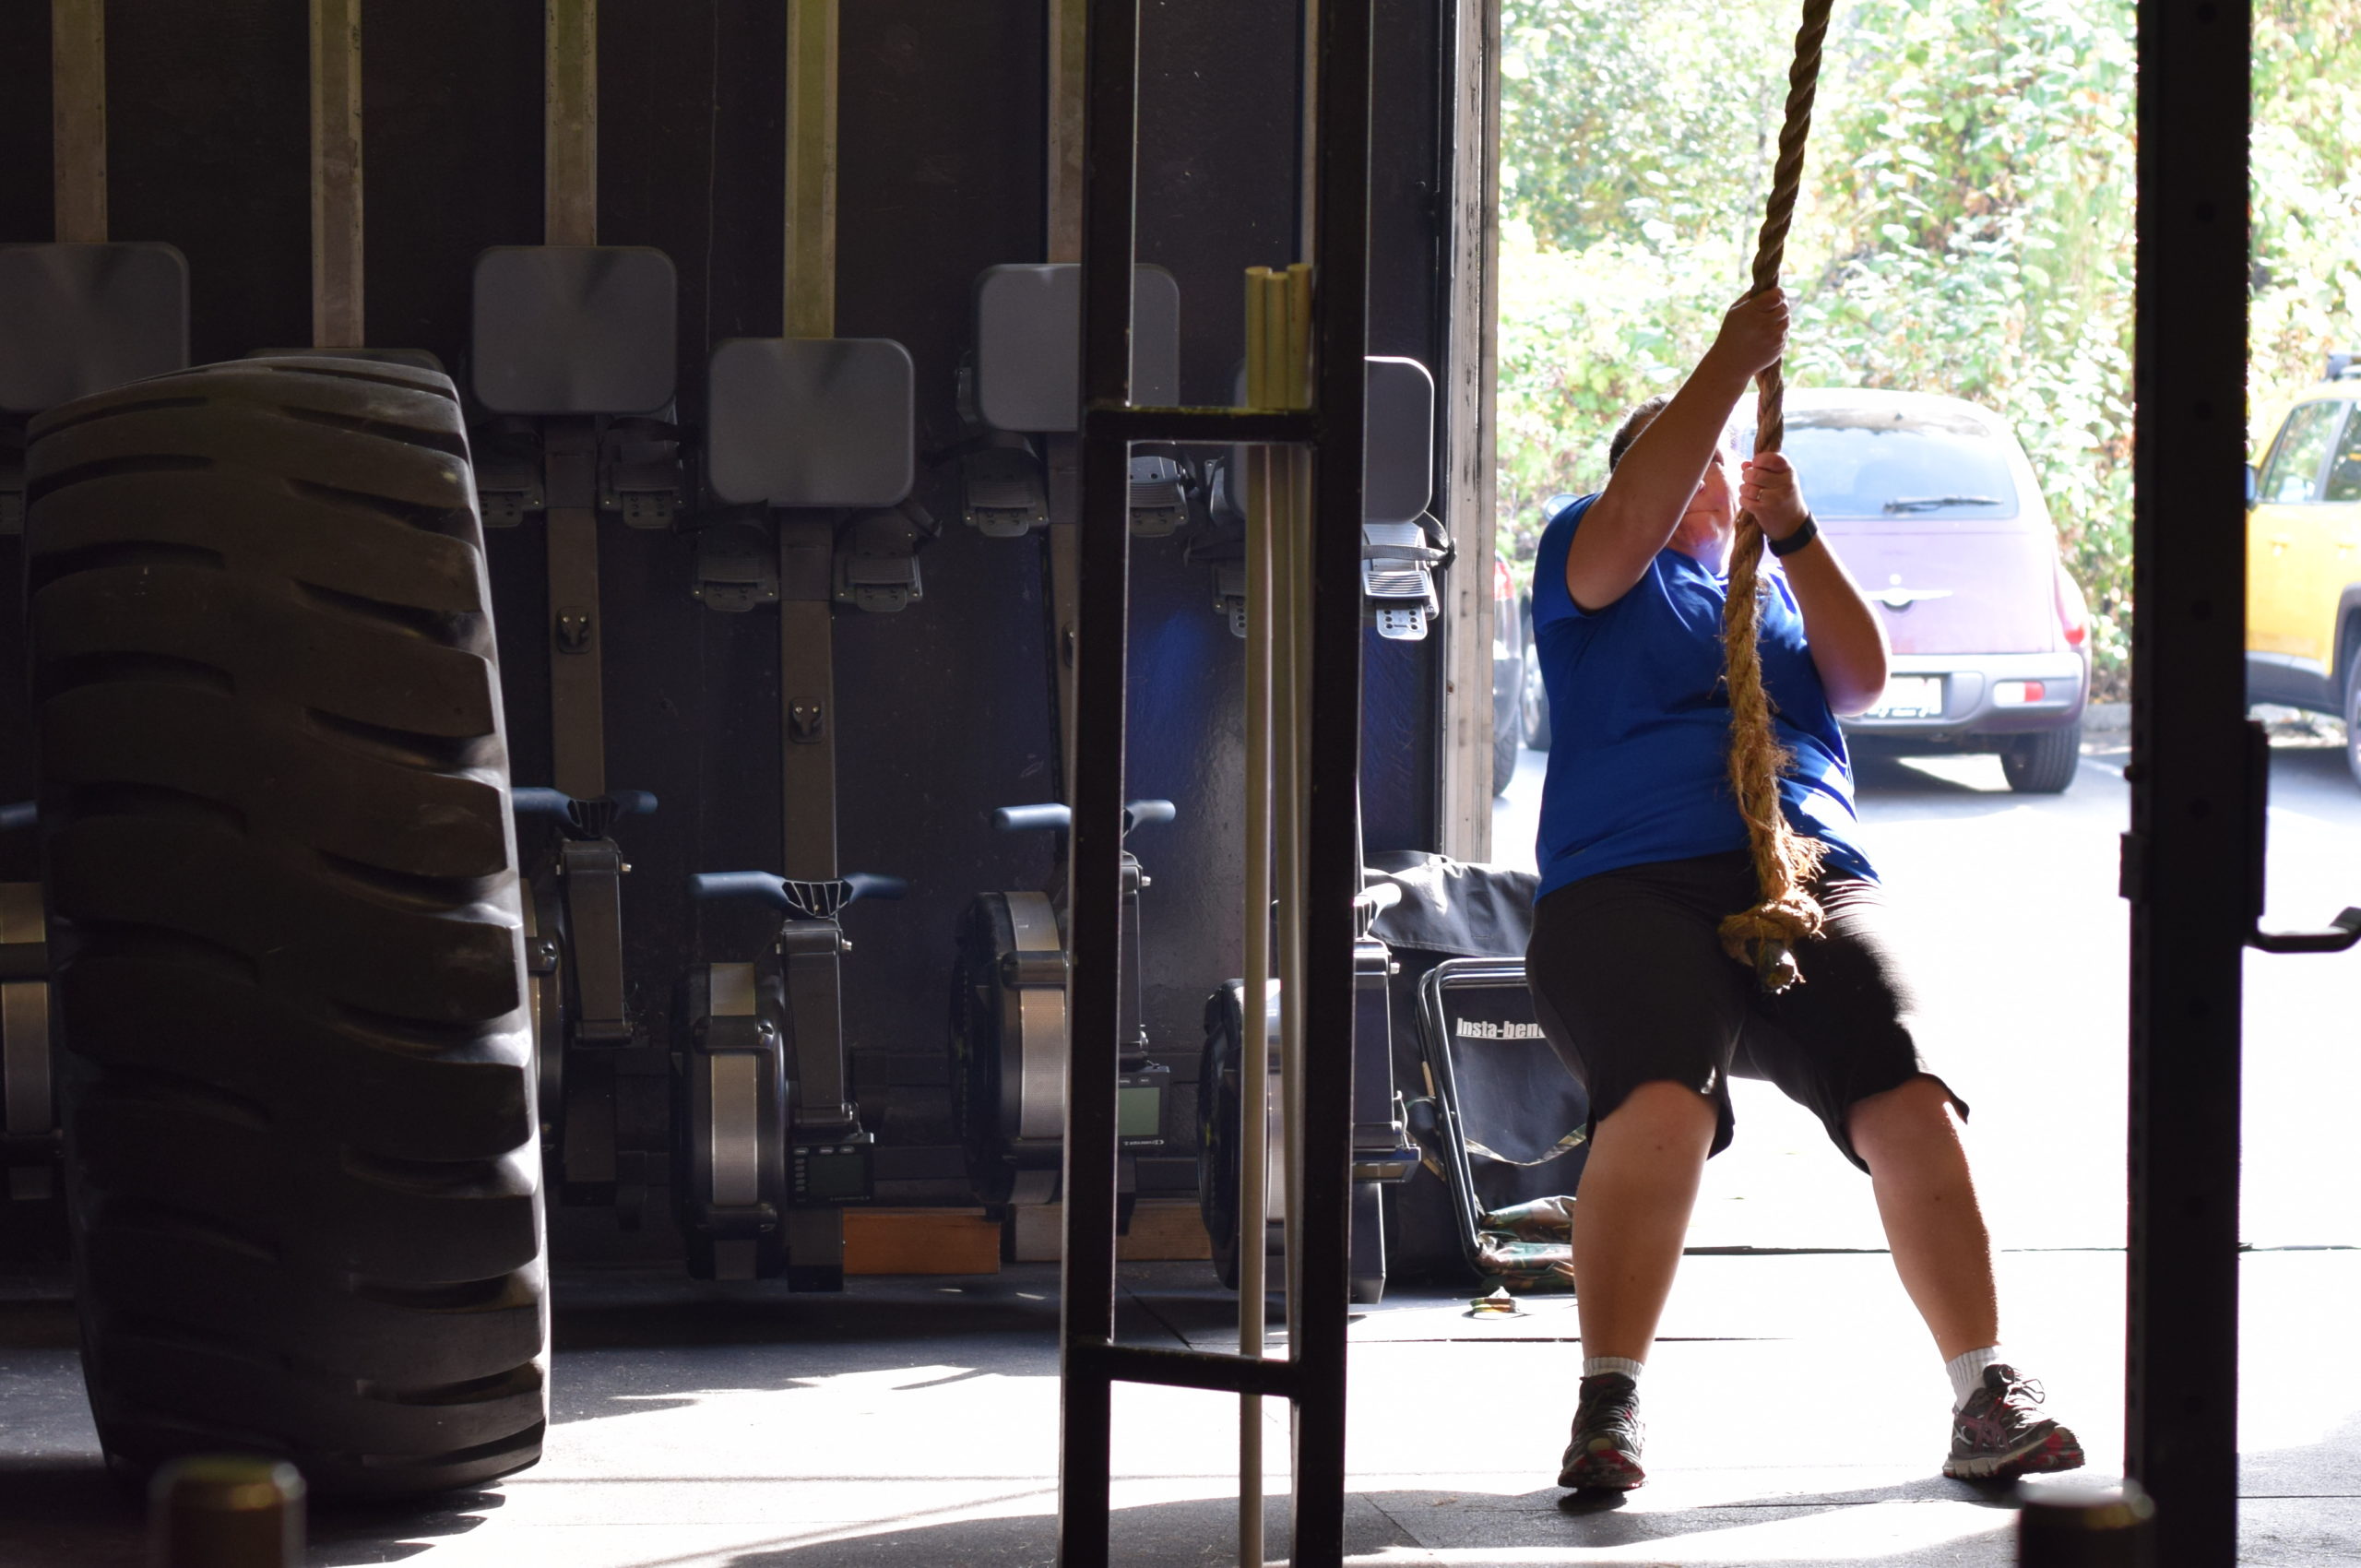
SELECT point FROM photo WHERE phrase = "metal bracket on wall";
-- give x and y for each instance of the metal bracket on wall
(1004, 492)
(12, 479)
(876, 561)
(639, 472)
(736, 564)
(26, 1089)
(577, 701)
(507, 459)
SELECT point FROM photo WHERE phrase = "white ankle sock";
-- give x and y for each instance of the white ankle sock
(1967, 1373)
(1594, 1365)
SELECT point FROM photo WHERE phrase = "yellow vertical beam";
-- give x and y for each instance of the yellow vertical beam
(336, 303)
(78, 32)
(811, 169)
(1307, 137)
(806, 541)
(570, 108)
(1067, 30)
(1263, 328)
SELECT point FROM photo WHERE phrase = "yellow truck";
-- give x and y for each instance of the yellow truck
(2303, 557)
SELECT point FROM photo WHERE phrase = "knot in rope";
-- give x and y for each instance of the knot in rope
(1765, 937)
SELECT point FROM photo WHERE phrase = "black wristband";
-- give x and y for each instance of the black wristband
(1795, 540)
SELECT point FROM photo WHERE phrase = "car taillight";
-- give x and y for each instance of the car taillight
(1503, 586)
(2073, 612)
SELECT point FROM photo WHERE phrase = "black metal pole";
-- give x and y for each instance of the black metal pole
(1095, 859)
(1340, 333)
(2185, 869)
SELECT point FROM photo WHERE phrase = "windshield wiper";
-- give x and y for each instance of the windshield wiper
(1932, 503)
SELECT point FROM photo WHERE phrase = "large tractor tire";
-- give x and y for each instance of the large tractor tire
(296, 1069)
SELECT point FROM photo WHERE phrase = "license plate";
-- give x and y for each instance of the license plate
(1910, 696)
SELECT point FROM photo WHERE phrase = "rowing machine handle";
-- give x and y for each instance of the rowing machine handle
(1057, 818)
(536, 800)
(1140, 813)
(1050, 818)
(756, 884)
(766, 889)
(859, 884)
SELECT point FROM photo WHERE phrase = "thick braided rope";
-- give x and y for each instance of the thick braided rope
(1765, 936)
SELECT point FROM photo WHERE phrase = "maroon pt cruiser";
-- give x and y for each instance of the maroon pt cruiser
(1936, 512)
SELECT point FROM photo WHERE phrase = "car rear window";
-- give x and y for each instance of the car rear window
(1898, 466)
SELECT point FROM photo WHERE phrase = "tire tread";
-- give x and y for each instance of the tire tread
(296, 1070)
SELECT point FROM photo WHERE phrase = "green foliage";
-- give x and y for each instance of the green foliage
(2306, 214)
(1965, 227)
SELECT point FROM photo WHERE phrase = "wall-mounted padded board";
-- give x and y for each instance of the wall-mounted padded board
(810, 421)
(1029, 344)
(79, 319)
(1399, 440)
(575, 329)
(1398, 462)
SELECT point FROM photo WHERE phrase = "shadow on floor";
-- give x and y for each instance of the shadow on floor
(1186, 1535)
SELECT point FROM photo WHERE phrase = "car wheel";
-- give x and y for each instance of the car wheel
(2044, 764)
(1504, 749)
(1534, 710)
(2352, 720)
(295, 1064)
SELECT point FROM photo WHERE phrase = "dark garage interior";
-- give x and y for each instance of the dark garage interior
(645, 685)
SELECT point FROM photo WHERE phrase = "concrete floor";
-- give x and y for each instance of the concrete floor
(1795, 1417)
(1796, 1411)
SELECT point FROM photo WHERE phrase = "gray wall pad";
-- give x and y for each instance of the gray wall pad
(79, 319)
(575, 329)
(810, 421)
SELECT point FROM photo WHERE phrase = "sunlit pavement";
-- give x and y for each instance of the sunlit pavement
(1795, 1410)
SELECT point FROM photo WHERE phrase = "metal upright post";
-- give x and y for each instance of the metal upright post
(1095, 857)
(1319, 1245)
(1332, 870)
(2185, 865)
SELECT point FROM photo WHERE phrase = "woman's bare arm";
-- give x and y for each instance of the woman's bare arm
(1846, 639)
(1650, 489)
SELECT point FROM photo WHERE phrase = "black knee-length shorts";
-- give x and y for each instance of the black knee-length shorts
(1632, 986)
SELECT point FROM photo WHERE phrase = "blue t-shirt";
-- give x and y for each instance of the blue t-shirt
(1640, 720)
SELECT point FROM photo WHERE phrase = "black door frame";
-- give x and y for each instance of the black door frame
(2189, 867)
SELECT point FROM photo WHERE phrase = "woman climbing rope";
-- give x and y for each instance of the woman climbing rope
(1702, 909)
(1647, 985)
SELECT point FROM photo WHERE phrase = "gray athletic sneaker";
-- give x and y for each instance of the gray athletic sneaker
(1604, 1453)
(1998, 1436)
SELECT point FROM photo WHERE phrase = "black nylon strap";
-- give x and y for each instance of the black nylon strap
(1795, 540)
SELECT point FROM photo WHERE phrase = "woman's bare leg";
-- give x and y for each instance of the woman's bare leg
(1910, 1137)
(1638, 1187)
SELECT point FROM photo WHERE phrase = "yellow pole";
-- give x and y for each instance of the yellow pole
(1254, 1050)
(78, 58)
(337, 299)
(1293, 609)
(570, 147)
(811, 169)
